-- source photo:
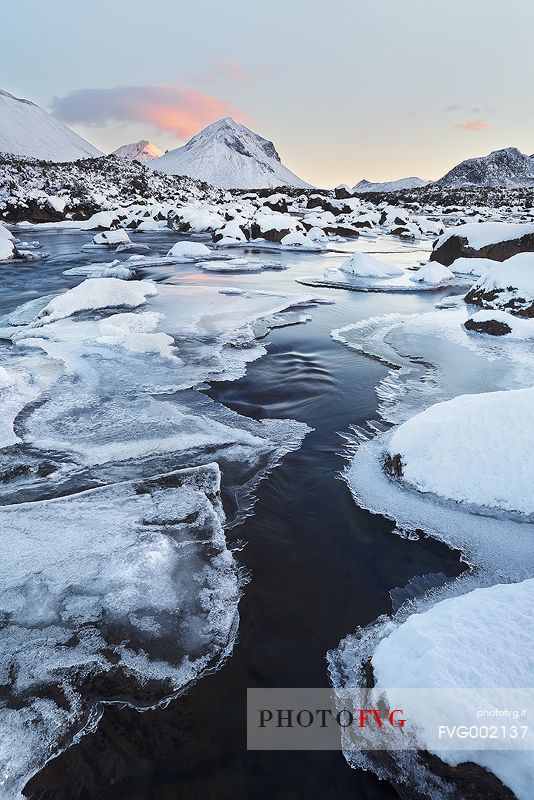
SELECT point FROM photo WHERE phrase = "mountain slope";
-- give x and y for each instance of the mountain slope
(508, 168)
(143, 151)
(28, 130)
(230, 156)
(390, 186)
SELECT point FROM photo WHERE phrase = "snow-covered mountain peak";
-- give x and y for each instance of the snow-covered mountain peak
(506, 168)
(229, 155)
(143, 151)
(28, 130)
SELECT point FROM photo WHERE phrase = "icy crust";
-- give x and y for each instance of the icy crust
(127, 591)
(116, 386)
(472, 449)
(433, 358)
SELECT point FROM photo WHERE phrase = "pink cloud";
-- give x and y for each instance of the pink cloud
(473, 126)
(175, 109)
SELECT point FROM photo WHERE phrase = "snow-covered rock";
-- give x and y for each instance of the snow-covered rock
(500, 323)
(195, 220)
(495, 240)
(112, 239)
(229, 155)
(142, 151)
(473, 449)
(188, 251)
(28, 130)
(481, 640)
(433, 273)
(96, 293)
(301, 241)
(508, 286)
(363, 265)
(7, 250)
(5, 233)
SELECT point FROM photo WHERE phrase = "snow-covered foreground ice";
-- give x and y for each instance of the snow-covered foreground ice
(111, 378)
(483, 639)
(125, 592)
(470, 448)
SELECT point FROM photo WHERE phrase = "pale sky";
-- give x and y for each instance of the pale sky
(346, 89)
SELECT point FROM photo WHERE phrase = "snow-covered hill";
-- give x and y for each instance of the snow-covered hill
(390, 186)
(230, 156)
(143, 151)
(28, 130)
(508, 168)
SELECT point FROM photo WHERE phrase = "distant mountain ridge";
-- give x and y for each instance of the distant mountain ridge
(508, 168)
(390, 186)
(230, 156)
(28, 130)
(142, 151)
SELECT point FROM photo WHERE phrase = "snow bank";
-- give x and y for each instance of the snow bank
(96, 293)
(482, 639)
(366, 266)
(434, 274)
(475, 449)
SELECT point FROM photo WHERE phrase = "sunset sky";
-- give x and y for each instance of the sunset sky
(346, 90)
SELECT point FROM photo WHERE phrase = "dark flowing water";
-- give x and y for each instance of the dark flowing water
(319, 567)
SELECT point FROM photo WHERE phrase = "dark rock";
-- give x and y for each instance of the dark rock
(393, 465)
(344, 230)
(274, 235)
(277, 205)
(491, 326)
(341, 193)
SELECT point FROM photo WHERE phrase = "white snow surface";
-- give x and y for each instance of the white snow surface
(366, 266)
(520, 328)
(513, 277)
(142, 151)
(481, 234)
(482, 639)
(28, 130)
(188, 251)
(95, 293)
(390, 186)
(229, 155)
(476, 449)
(434, 274)
(112, 238)
(7, 250)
